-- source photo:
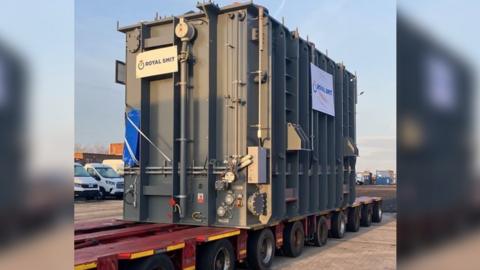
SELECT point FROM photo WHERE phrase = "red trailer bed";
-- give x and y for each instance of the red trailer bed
(118, 244)
(101, 244)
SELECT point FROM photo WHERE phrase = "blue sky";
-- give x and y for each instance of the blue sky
(359, 33)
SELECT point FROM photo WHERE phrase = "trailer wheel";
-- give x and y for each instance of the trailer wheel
(353, 224)
(377, 212)
(156, 262)
(294, 238)
(366, 219)
(337, 229)
(321, 233)
(218, 255)
(261, 249)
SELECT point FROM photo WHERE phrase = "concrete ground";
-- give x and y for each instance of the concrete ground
(97, 210)
(370, 248)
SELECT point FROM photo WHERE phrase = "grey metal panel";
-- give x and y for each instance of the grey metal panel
(143, 204)
(340, 163)
(304, 119)
(353, 85)
(227, 100)
(160, 189)
(278, 142)
(328, 185)
(295, 177)
(212, 12)
(161, 95)
(159, 36)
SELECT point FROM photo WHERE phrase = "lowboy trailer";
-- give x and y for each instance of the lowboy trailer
(127, 245)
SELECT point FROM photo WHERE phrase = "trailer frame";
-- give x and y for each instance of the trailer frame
(116, 244)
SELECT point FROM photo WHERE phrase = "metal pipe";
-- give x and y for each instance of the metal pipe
(183, 126)
(260, 51)
(186, 33)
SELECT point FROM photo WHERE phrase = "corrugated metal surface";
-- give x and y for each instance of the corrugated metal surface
(310, 155)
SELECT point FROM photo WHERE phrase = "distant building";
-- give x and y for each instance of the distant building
(84, 158)
(116, 149)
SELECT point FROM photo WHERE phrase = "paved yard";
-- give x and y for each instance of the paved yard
(95, 210)
(370, 248)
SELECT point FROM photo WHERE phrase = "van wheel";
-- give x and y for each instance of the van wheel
(366, 219)
(337, 229)
(321, 232)
(294, 239)
(353, 224)
(101, 193)
(218, 255)
(157, 262)
(377, 212)
(261, 249)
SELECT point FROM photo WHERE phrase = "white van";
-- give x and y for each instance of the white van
(116, 164)
(110, 183)
(84, 185)
(360, 179)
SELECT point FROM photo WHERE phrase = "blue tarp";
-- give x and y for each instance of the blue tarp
(132, 137)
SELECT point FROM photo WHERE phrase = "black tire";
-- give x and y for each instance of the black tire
(294, 239)
(338, 225)
(320, 236)
(366, 219)
(217, 255)
(101, 193)
(261, 249)
(353, 224)
(157, 262)
(377, 212)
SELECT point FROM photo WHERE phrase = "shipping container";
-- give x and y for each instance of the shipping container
(242, 121)
(115, 149)
(384, 180)
(385, 177)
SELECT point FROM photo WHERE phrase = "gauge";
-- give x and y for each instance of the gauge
(221, 211)
(229, 177)
(229, 198)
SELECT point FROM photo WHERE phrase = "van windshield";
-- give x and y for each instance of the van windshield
(107, 172)
(80, 171)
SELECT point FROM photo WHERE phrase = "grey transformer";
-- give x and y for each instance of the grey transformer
(231, 138)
